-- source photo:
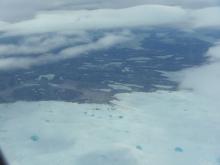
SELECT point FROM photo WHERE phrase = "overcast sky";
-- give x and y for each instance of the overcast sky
(15, 10)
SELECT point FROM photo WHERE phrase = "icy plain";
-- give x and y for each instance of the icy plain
(136, 129)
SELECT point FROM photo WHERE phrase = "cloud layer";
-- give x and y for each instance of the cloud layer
(59, 21)
(80, 25)
(203, 80)
(24, 9)
(13, 62)
(139, 16)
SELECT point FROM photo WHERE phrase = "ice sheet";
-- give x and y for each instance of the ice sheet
(136, 129)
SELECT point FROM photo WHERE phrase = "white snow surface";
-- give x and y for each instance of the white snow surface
(159, 128)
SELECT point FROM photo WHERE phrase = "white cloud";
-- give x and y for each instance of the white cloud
(82, 22)
(3, 24)
(40, 44)
(206, 17)
(107, 41)
(214, 53)
(102, 43)
(139, 16)
(205, 79)
(12, 63)
(24, 9)
(57, 21)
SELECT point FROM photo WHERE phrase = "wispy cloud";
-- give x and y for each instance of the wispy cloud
(39, 44)
(104, 42)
